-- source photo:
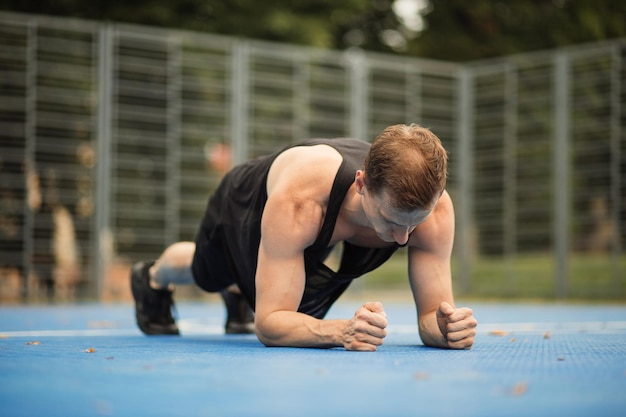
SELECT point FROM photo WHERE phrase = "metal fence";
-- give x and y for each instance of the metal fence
(112, 137)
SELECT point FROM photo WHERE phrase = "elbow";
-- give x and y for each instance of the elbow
(265, 339)
(265, 334)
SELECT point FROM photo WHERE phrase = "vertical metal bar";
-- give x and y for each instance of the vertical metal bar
(616, 157)
(103, 242)
(413, 95)
(358, 76)
(302, 93)
(465, 161)
(30, 143)
(510, 169)
(357, 73)
(173, 141)
(561, 163)
(94, 228)
(239, 111)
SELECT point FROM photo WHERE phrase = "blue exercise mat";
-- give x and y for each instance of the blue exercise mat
(528, 360)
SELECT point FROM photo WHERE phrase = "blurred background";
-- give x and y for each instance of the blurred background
(117, 120)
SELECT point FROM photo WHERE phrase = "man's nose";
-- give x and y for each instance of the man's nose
(401, 235)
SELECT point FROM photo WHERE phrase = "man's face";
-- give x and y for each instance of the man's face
(389, 223)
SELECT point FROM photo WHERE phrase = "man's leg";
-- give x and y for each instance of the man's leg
(173, 267)
(239, 315)
(152, 286)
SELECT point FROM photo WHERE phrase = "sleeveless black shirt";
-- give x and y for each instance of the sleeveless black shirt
(228, 241)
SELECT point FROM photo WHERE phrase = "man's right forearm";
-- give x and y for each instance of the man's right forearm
(293, 329)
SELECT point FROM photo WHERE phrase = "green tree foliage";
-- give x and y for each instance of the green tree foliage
(456, 30)
(318, 23)
(461, 30)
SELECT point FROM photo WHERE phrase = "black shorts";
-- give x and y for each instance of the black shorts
(210, 267)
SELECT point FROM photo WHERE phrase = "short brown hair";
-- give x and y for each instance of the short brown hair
(410, 163)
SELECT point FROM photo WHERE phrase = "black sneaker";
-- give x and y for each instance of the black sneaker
(240, 318)
(153, 308)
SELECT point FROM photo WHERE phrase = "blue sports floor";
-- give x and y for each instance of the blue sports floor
(528, 360)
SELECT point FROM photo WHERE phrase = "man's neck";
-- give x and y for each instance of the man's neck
(352, 209)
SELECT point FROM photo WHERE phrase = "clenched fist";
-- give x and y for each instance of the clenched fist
(366, 330)
(457, 325)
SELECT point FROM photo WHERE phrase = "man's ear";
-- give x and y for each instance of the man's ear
(359, 182)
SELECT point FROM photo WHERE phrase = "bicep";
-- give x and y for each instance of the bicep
(287, 228)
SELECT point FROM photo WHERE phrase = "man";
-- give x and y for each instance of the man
(273, 220)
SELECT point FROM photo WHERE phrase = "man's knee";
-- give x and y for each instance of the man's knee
(178, 256)
(174, 265)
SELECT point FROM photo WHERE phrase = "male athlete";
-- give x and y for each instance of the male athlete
(273, 220)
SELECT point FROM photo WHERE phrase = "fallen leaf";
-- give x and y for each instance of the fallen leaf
(420, 376)
(519, 389)
(102, 324)
(90, 350)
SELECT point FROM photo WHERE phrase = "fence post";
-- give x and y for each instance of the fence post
(413, 112)
(616, 158)
(465, 162)
(174, 109)
(103, 243)
(30, 143)
(302, 97)
(357, 73)
(510, 169)
(239, 101)
(561, 161)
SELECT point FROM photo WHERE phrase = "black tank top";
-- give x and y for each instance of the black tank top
(233, 221)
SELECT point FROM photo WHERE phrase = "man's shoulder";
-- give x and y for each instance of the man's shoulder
(438, 229)
(311, 158)
(304, 170)
(338, 141)
(352, 151)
